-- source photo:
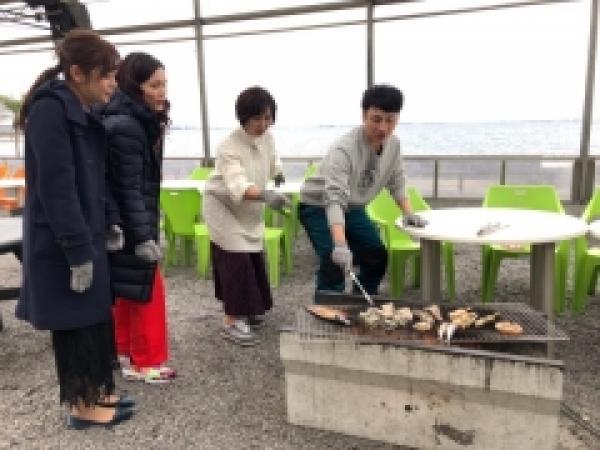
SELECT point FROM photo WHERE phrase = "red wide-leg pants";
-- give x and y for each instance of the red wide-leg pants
(141, 327)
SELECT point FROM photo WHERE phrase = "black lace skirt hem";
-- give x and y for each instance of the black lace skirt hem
(84, 363)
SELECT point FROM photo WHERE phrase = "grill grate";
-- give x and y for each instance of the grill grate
(536, 328)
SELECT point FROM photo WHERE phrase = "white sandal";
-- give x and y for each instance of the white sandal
(152, 375)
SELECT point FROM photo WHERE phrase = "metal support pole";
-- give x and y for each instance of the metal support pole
(542, 283)
(431, 273)
(584, 148)
(575, 179)
(201, 82)
(436, 176)
(370, 47)
(17, 142)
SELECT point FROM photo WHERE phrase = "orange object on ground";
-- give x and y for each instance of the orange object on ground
(7, 202)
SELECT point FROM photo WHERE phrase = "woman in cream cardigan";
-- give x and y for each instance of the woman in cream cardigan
(234, 202)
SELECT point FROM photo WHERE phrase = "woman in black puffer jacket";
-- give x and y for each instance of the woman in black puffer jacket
(135, 120)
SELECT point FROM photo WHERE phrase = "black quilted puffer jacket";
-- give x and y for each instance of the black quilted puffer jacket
(135, 163)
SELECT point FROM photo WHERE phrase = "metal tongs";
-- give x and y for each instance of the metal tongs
(360, 286)
(445, 332)
(490, 228)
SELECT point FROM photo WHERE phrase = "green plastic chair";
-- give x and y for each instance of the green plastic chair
(201, 173)
(283, 221)
(384, 211)
(533, 197)
(202, 239)
(201, 235)
(587, 259)
(273, 238)
(311, 170)
(289, 223)
(181, 208)
(287, 237)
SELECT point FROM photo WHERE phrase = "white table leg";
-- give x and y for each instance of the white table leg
(431, 280)
(542, 283)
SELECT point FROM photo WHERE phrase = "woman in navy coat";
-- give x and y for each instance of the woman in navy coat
(66, 285)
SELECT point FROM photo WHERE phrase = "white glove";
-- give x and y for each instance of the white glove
(148, 250)
(115, 240)
(278, 179)
(81, 276)
(342, 256)
(414, 220)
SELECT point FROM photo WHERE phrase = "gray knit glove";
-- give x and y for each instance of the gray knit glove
(148, 250)
(279, 179)
(414, 220)
(115, 239)
(81, 276)
(276, 200)
(342, 256)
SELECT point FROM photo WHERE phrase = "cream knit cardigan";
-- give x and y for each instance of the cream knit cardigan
(236, 224)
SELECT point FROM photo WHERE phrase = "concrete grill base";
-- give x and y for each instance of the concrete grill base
(425, 398)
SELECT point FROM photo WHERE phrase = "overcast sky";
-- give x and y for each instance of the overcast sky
(526, 63)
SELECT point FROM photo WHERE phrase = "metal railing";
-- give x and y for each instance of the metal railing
(449, 177)
(467, 176)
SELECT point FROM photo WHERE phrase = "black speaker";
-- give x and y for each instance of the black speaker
(64, 15)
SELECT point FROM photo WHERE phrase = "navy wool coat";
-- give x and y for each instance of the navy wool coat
(65, 217)
(135, 163)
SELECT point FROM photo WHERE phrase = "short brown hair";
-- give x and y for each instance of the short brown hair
(253, 102)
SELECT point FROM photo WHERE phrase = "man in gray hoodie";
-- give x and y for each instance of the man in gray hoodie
(353, 172)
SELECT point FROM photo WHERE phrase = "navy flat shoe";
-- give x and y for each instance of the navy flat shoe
(124, 401)
(121, 414)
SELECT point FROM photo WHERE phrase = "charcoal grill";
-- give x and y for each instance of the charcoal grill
(484, 390)
(537, 329)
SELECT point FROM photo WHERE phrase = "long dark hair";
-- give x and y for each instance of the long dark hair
(135, 70)
(83, 48)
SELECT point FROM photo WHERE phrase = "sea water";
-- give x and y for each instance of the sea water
(549, 137)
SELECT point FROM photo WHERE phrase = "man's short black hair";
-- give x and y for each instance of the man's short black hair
(385, 97)
(254, 101)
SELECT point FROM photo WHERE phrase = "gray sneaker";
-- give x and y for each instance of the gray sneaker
(256, 322)
(240, 333)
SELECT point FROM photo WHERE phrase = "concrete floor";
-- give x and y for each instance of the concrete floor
(232, 397)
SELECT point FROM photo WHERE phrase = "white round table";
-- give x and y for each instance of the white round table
(291, 187)
(11, 233)
(11, 236)
(594, 229)
(495, 226)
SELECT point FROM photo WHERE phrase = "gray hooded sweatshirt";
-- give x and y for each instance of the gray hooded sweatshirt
(351, 175)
